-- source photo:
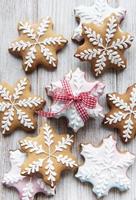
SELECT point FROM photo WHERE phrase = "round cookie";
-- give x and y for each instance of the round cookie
(37, 45)
(18, 106)
(105, 167)
(27, 187)
(94, 14)
(122, 114)
(104, 46)
(48, 154)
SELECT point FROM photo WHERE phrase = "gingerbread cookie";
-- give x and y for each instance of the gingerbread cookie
(105, 167)
(123, 113)
(48, 154)
(17, 106)
(104, 45)
(27, 187)
(75, 98)
(95, 14)
(37, 45)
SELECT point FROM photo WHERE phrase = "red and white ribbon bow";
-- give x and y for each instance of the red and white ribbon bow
(81, 102)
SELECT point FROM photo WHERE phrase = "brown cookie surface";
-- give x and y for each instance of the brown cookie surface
(48, 154)
(18, 106)
(104, 45)
(37, 45)
(122, 114)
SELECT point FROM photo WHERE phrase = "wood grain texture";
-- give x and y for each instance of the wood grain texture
(61, 12)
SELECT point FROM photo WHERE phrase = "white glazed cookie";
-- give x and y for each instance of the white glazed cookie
(122, 114)
(104, 46)
(105, 167)
(37, 45)
(95, 14)
(71, 108)
(48, 154)
(18, 106)
(27, 187)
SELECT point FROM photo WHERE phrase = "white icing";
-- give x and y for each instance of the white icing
(46, 188)
(48, 55)
(106, 48)
(95, 14)
(30, 57)
(27, 191)
(35, 41)
(26, 186)
(78, 84)
(126, 113)
(16, 104)
(32, 146)
(34, 166)
(17, 158)
(105, 167)
(47, 154)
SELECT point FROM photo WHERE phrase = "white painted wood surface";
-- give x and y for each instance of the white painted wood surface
(61, 11)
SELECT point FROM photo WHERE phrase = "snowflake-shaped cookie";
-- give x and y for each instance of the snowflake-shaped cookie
(27, 187)
(95, 14)
(104, 45)
(123, 113)
(37, 44)
(48, 154)
(17, 106)
(105, 167)
(78, 85)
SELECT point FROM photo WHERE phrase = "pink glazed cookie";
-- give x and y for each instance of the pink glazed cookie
(27, 187)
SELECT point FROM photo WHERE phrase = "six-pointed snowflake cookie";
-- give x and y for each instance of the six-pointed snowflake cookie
(123, 113)
(105, 167)
(75, 98)
(18, 106)
(48, 154)
(95, 14)
(104, 45)
(27, 187)
(37, 45)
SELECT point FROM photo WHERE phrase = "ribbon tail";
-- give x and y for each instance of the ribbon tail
(82, 112)
(45, 114)
(53, 114)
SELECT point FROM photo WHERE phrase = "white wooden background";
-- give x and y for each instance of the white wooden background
(61, 11)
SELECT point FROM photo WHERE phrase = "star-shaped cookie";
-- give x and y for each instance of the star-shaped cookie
(74, 103)
(104, 45)
(37, 44)
(105, 167)
(27, 187)
(95, 14)
(122, 114)
(18, 106)
(48, 154)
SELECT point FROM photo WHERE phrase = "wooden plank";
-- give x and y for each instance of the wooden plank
(10, 70)
(11, 12)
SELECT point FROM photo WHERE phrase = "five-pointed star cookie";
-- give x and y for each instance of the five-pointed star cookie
(95, 14)
(105, 167)
(27, 187)
(37, 45)
(123, 113)
(48, 154)
(73, 106)
(104, 45)
(17, 106)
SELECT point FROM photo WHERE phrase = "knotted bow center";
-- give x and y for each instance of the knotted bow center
(75, 98)
(82, 102)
